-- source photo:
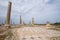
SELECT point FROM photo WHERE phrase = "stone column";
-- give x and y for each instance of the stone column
(20, 20)
(7, 24)
(48, 24)
(21, 23)
(32, 21)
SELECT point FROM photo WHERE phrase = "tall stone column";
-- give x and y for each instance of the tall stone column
(21, 23)
(20, 20)
(7, 24)
(32, 21)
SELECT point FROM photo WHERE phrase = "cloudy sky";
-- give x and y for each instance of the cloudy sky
(41, 10)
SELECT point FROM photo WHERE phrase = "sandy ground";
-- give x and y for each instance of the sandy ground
(31, 33)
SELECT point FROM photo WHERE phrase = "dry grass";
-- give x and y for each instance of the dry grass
(7, 34)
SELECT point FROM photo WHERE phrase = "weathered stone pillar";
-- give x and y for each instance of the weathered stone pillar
(7, 24)
(20, 20)
(32, 21)
(21, 23)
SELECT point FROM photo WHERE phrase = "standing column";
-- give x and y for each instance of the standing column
(7, 24)
(32, 21)
(20, 20)
(21, 23)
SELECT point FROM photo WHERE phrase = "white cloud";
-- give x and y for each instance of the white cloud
(3, 3)
(41, 10)
(46, 1)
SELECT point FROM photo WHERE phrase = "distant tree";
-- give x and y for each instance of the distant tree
(57, 23)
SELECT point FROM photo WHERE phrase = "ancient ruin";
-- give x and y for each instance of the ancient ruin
(27, 32)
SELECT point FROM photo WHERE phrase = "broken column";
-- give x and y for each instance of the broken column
(32, 21)
(7, 24)
(48, 24)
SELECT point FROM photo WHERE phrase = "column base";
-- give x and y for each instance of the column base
(21, 25)
(32, 24)
(48, 25)
(7, 26)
